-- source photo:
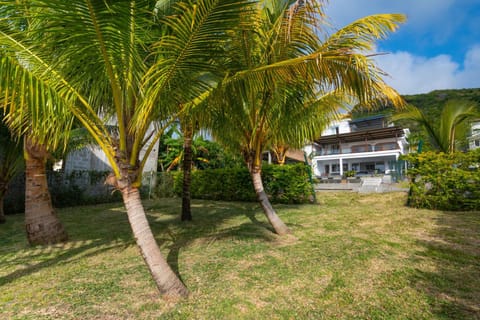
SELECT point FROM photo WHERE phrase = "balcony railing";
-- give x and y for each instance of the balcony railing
(355, 150)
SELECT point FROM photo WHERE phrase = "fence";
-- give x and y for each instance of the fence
(66, 189)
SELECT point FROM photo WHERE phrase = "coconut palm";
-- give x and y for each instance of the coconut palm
(278, 56)
(35, 113)
(447, 133)
(42, 134)
(125, 63)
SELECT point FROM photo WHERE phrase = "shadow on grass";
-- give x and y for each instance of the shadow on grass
(92, 230)
(210, 223)
(453, 287)
(70, 255)
(96, 229)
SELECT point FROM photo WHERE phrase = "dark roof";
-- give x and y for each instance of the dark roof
(367, 118)
(368, 123)
(373, 134)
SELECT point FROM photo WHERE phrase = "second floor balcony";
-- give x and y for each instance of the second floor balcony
(336, 150)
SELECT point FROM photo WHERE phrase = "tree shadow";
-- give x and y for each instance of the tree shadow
(208, 218)
(81, 243)
(71, 255)
(453, 285)
(92, 238)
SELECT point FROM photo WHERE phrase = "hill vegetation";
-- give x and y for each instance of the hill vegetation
(431, 103)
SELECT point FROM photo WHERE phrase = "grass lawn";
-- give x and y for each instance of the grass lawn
(352, 257)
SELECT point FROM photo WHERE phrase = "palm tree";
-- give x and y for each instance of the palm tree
(122, 62)
(42, 120)
(11, 163)
(277, 56)
(445, 134)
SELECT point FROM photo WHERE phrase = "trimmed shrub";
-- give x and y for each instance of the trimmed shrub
(283, 184)
(445, 181)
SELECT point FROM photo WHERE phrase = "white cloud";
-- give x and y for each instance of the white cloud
(410, 74)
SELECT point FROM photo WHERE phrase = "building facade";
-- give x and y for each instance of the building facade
(474, 137)
(358, 147)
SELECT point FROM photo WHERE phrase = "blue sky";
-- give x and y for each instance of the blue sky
(437, 48)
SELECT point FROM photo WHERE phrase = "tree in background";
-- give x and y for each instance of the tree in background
(448, 133)
(277, 56)
(207, 154)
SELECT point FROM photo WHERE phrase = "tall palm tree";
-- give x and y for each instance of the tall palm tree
(278, 55)
(446, 133)
(122, 62)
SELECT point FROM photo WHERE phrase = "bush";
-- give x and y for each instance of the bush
(283, 184)
(445, 181)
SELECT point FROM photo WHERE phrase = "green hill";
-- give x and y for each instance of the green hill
(431, 103)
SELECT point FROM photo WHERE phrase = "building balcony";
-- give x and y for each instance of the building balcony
(353, 150)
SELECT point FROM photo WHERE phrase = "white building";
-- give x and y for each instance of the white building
(474, 137)
(364, 146)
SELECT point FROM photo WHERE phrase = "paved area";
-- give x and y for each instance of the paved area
(367, 185)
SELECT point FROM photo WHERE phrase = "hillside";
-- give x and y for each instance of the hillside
(431, 103)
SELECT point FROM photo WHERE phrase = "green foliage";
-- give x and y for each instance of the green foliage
(445, 181)
(283, 184)
(206, 154)
(350, 173)
(430, 103)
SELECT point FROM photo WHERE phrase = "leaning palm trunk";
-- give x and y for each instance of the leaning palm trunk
(41, 222)
(187, 172)
(273, 218)
(166, 280)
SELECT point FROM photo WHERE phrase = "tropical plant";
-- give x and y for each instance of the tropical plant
(280, 67)
(207, 154)
(126, 63)
(11, 163)
(447, 133)
(34, 113)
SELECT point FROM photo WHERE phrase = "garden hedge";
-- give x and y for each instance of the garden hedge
(283, 184)
(445, 181)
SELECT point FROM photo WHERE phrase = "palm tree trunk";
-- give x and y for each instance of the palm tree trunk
(280, 154)
(41, 222)
(273, 218)
(166, 280)
(187, 172)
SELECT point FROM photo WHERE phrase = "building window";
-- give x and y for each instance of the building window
(335, 168)
(335, 149)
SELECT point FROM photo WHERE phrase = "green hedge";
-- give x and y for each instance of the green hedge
(283, 184)
(445, 181)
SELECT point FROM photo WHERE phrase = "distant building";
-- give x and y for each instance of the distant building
(93, 158)
(474, 137)
(363, 146)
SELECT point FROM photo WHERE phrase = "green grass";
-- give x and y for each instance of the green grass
(351, 257)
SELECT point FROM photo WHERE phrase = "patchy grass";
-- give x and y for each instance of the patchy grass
(351, 257)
